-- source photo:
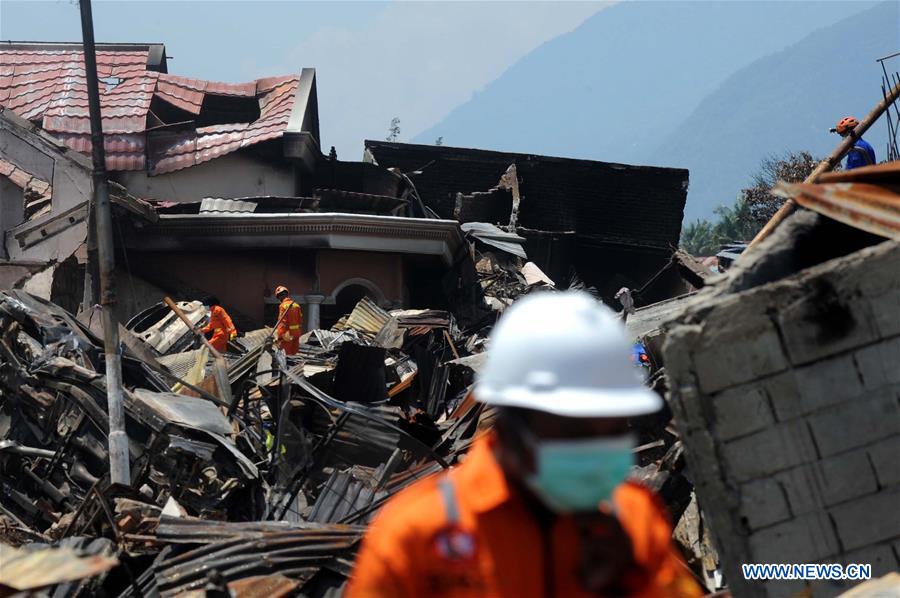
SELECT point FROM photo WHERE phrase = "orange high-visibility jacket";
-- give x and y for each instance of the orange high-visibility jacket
(289, 328)
(221, 326)
(490, 544)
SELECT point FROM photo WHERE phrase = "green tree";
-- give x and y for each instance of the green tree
(754, 207)
(697, 238)
(761, 204)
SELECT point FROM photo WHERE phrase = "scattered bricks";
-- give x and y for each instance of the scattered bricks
(881, 557)
(741, 411)
(879, 364)
(777, 448)
(855, 423)
(804, 539)
(885, 457)
(763, 503)
(868, 520)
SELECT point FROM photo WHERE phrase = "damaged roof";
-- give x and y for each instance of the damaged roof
(865, 198)
(150, 118)
(604, 203)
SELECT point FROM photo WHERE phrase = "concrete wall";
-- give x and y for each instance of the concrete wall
(242, 280)
(786, 396)
(382, 270)
(245, 280)
(233, 175)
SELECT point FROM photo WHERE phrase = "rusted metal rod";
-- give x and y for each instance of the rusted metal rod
(119, 465)
(829, 163)
(221, 369)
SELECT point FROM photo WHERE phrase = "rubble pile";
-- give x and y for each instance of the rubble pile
(272, 487)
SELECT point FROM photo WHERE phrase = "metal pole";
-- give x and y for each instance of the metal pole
(829, 163)
(119, 466)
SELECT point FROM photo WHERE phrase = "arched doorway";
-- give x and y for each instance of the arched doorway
(345, 297)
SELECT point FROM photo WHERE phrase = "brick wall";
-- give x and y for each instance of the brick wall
(787, 399)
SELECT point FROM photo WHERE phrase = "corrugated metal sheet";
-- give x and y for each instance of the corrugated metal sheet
(30, 570)
(366, 317)
(50, 87)
(864, 198)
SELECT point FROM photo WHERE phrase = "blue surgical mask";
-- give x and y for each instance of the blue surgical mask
(577, 475)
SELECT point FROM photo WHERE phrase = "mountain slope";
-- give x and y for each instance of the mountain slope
(784, 102)
(624, 80)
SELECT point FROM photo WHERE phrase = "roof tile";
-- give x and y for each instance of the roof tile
(49, 86)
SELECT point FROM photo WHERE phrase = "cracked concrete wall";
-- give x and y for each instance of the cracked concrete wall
(787, 396)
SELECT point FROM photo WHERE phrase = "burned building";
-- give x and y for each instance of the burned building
(614, 225)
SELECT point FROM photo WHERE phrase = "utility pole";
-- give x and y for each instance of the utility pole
(119, 466)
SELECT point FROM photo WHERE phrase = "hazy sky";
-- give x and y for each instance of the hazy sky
(374, 60)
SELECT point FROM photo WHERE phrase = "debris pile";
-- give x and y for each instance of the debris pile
(271, 482)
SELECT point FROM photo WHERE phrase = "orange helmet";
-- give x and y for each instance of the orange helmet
(845, 125)
(281, 289)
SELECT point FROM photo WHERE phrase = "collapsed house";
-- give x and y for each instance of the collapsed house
(402, 264)
(222, 181)
(785, 377)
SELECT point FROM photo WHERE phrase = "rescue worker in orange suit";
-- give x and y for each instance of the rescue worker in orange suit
(290, 322)
(540, 506)
(220, 325)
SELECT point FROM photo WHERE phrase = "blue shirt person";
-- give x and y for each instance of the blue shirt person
(862, 153)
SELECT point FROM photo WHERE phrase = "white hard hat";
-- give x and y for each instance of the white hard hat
(563, 353)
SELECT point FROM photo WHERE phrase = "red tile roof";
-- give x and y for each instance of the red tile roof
(49, 87)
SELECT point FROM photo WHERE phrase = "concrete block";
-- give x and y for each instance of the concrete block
(819, 385)
(827, 320)
(774, 449)
(879, 364)
(846, 476)
(855, 423)
(886, 310)
(805, 539)
(881, 557)
(831, 481)
(885, 458)
(763, 503)
(784, 395)
(869, 520)
(739, 343)
(741, 411)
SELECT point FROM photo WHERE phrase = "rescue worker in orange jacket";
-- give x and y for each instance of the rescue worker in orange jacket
(220, 325)
(540, 506)
(290, 322)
